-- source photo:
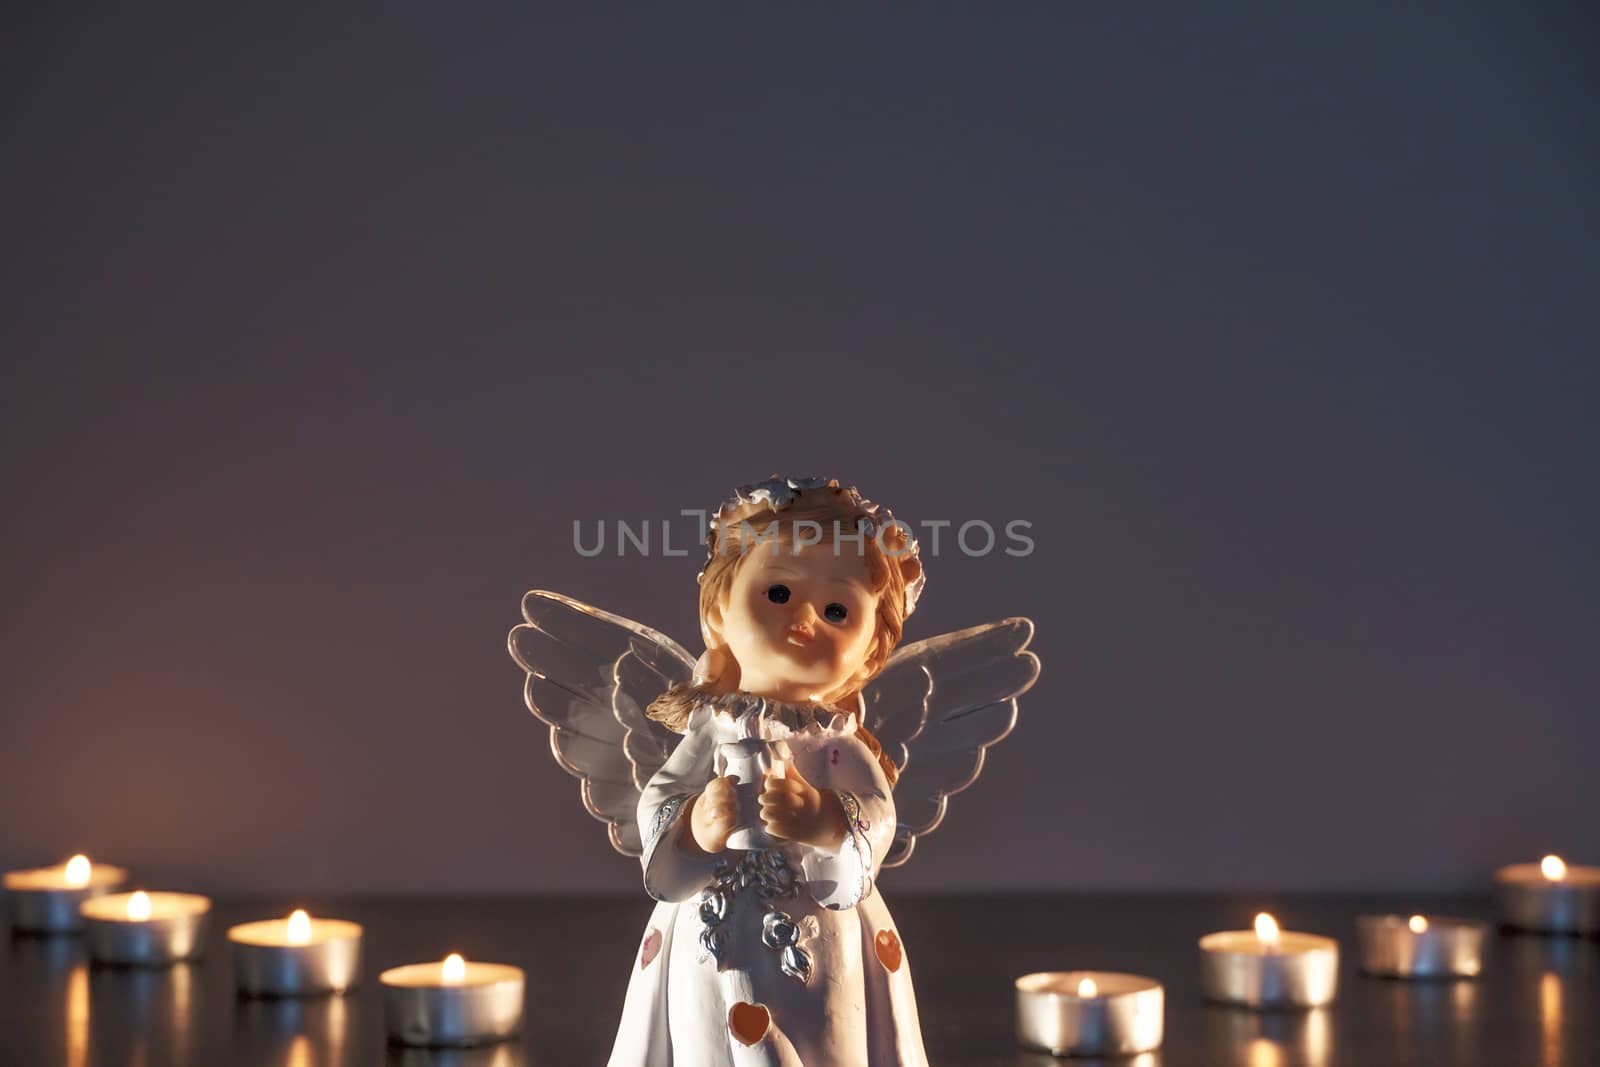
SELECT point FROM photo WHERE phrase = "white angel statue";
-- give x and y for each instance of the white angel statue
(765, 785)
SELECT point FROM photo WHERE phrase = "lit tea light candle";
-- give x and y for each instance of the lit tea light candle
(295, 956)
(453, 1002)
(1268, 967)
(1089, 1013)
(1394, 946)
(46, 899)
(1550, 896)
(142, 928)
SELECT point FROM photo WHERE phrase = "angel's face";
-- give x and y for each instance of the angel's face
(800, 624)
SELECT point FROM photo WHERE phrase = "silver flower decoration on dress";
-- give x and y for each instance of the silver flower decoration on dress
(766, 873)
(780, 933)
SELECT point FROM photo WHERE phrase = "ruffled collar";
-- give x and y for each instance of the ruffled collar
(797, 717)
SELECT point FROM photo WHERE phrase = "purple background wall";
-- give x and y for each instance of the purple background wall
(320, 330)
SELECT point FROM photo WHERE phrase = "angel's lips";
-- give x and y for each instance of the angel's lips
(800, 637)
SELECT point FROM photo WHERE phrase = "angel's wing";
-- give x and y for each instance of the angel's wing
(936, 706)
(591, 675)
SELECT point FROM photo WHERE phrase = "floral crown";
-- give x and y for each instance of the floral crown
(777, 493)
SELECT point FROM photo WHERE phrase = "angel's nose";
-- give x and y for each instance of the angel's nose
(803, 625)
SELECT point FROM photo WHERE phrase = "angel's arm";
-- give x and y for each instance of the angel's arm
(840, 878)
(671, 871)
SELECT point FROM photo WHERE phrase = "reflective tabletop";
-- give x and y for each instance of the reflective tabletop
(1537, 1003)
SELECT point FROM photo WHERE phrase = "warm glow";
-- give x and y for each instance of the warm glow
(455, 969)
(1553, 867)
(1551, 1020)
(1267, 929)
(1418, 924)
(78, 1016)
(139, 906)
(78, 871)
(181, 1022)
(1087, 988)
(1263, 1053)
(299, 928)
(335, 1026)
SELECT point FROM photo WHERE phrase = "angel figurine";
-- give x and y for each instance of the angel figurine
(765, 785)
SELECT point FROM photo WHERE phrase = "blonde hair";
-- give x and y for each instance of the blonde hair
(890, 568)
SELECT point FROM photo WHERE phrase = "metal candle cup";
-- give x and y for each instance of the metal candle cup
(297, 956)
(453, 1003)
(1421, 946)
(1089, 1013)
(46, 899)
(1531, 899)
(1266, 968)
(173, 927)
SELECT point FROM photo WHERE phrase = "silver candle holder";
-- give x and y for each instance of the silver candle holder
(297, 956)
(145, 929)
(1090, 1013)
(1266, 968)
(46, 899)
(453, 1003)
(1549, 897)
(1420, 946)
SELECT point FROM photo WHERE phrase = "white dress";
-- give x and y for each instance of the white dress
(778, 957)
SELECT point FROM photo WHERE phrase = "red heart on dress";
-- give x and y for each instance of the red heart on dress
(749, 1022)
(889, 951)
(651, 946)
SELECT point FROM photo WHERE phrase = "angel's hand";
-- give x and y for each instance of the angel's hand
(792, 808)
(713, 815)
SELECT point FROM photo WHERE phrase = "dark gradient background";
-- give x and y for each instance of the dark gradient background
(321, 329)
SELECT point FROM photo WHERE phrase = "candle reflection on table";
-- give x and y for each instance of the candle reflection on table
(1431, 1020)
(1263, 1053)
(294, 1026)
(1027, 1058)
(49, 954)
(145, 1015)
(1270, 1039)
(181, 1011)
(77, 1016)
(1550, 1020)
(502, 1055)
(1570, 958)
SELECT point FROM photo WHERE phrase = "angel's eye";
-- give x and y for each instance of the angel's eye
(778, 594)
(836, 612)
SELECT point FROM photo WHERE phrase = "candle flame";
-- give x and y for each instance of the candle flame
(1553, 868)
(78, 871)
(299, 927)
(1267, 929)
(1087, 988)
(1418, 924)
(455, 969)
(139, 906)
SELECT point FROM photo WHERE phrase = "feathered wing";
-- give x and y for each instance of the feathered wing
(936, 706)
(591, 675)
